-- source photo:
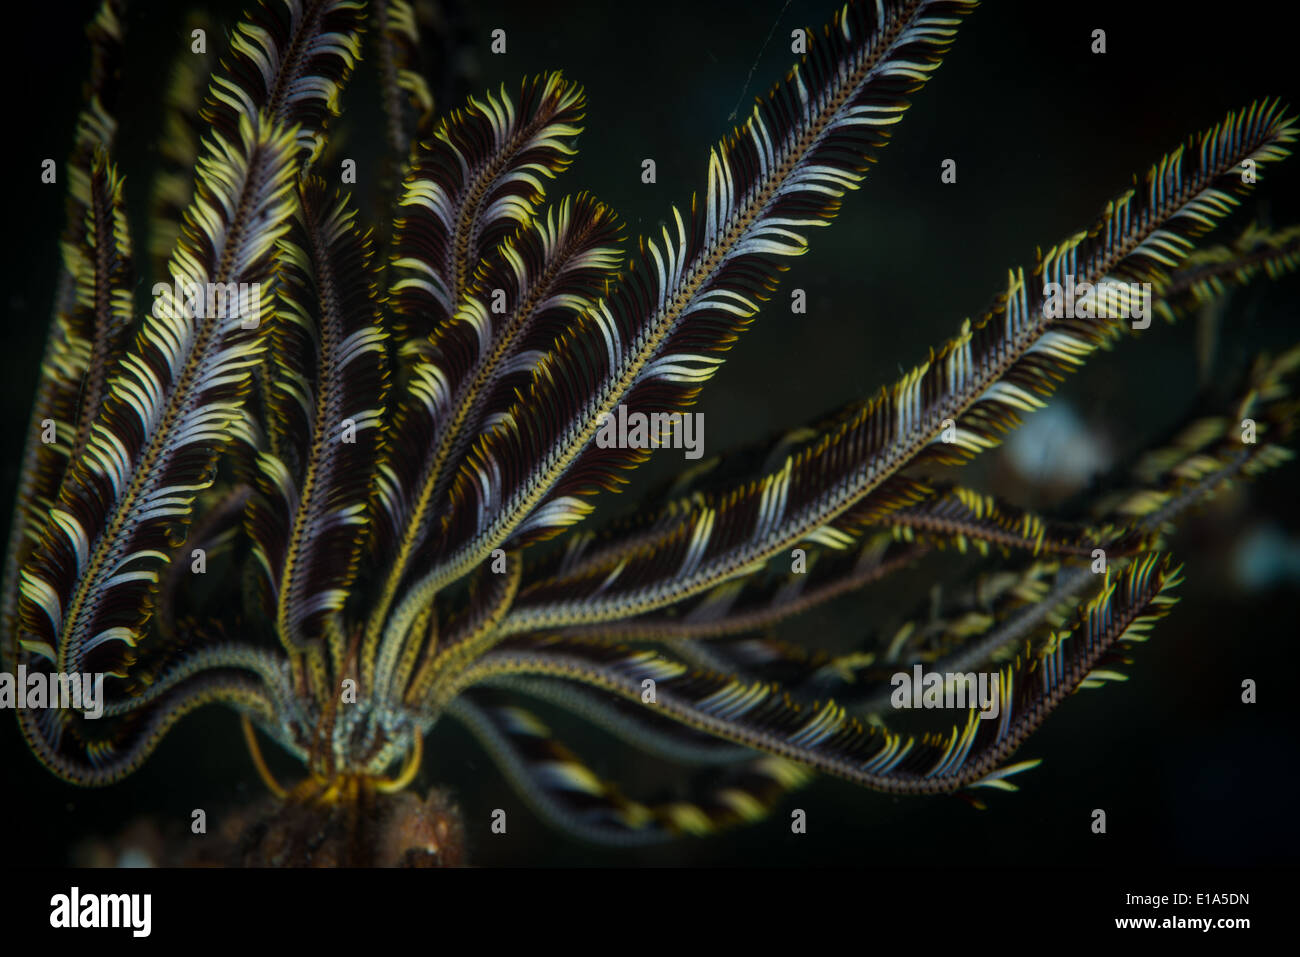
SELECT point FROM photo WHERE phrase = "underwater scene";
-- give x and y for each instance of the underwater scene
(697, 434)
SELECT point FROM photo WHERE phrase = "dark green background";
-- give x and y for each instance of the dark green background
(1043, 133)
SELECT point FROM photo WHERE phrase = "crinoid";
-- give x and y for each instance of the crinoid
(327, 447)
